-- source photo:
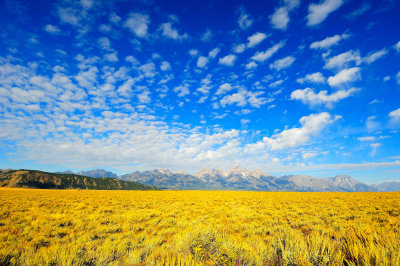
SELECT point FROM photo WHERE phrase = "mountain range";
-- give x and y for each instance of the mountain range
(256, 180)
(205, 179)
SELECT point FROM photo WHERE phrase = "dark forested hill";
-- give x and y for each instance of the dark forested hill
(39, 179)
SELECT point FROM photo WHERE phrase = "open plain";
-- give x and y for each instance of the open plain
(81, 227)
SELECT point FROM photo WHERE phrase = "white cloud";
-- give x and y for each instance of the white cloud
(111, 57)
(280, 18)
(144, 97)
(342, 60)
(245, 20)
(251, 65)
(207, 36)
(165, 66)
(311, 126)
(366, 138)
(263, 56)
(308, 155)
(308, 96)
(193, 52)
(398, 77)
(182, 90)
(169, 32)
(243, 98)
(317, 13)
(291, 4)
(104, 43)
(52, 29)
(374, 147)
(114, 18)
(228, 60)
(395, 114)
(397, 46)
(276, 83)
(239, 48)
(137, 23)
(313, 78)
(214, 52)
(69, 15)
(224, 88)
(238, 99)
(202, 61)
(359, 11)
(148, 69)
(282, 63)
(328, 42)
(344, 76)
(374, 56)
(255, 39)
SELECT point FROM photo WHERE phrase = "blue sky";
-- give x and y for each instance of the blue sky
(285, 86)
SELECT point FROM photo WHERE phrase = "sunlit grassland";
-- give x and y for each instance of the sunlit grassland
(62, 227)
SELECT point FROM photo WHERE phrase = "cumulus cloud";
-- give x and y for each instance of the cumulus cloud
(394, 117)
(244, 97)
(52, 29)
(224, 88)
(309, 97)
(313, 78)
(280, 18)
(169, 32)
(343, 60)
(202, 61)
(104, 43)
(282, 63)
(255, 39)
(228, 60)
(311, 126)
(238, 99)
(165, 66)
(245, 20)
(345, 76)
(251, 65)
(395, 114)
(148, 69)
(375, 56)
(239, 48)
(193, 52)
(263, 56)
(111, 57)
(328, 42)
(317, 13)
(214, 52)
(137, 23)
(397, 46)
(182, 90)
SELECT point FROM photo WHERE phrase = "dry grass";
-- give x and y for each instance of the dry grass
(61, 227)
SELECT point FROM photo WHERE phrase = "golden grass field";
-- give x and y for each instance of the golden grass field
(71, 227)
